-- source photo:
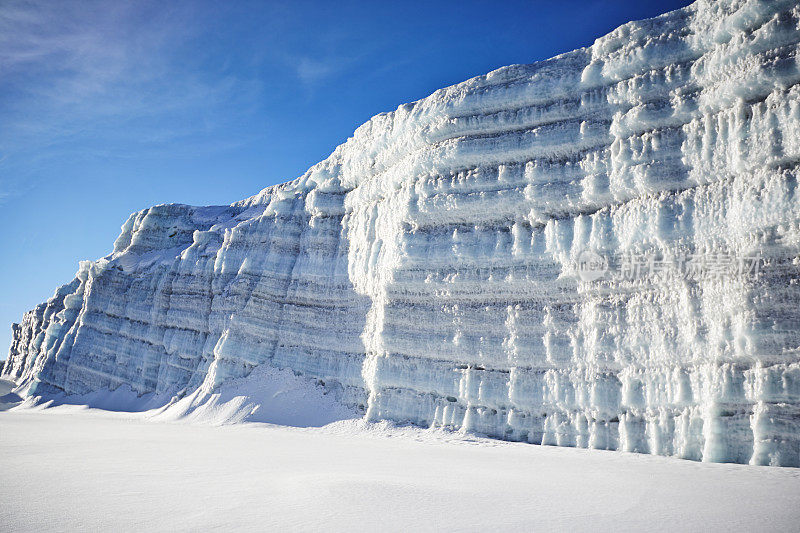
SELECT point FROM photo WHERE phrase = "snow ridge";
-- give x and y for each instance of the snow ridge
(427, 270)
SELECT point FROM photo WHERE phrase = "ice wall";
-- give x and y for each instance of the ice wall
(428, 268)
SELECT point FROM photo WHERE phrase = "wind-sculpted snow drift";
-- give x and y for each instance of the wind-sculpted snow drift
(429, 270)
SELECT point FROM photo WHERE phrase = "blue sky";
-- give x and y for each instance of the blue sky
(108, 107)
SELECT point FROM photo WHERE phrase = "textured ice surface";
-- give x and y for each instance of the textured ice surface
(426, 269)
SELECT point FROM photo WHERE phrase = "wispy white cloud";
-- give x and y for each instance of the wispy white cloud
(147, 78)
(109, 76)
(310, 70)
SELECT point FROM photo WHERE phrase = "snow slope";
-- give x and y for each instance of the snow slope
(8, 399)
(426, 272)
(268, 395)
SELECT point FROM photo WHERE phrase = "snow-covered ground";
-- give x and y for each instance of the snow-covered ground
(70, 467)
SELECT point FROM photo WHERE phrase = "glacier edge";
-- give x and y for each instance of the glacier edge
(427, 269)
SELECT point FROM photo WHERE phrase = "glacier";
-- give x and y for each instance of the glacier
(427, 271)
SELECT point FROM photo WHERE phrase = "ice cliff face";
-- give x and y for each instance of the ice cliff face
(429, 268)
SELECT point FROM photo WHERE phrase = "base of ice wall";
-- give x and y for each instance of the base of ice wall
(432, 269)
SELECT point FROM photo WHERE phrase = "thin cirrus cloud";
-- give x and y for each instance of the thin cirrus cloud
(108, 79)
(98, 79)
